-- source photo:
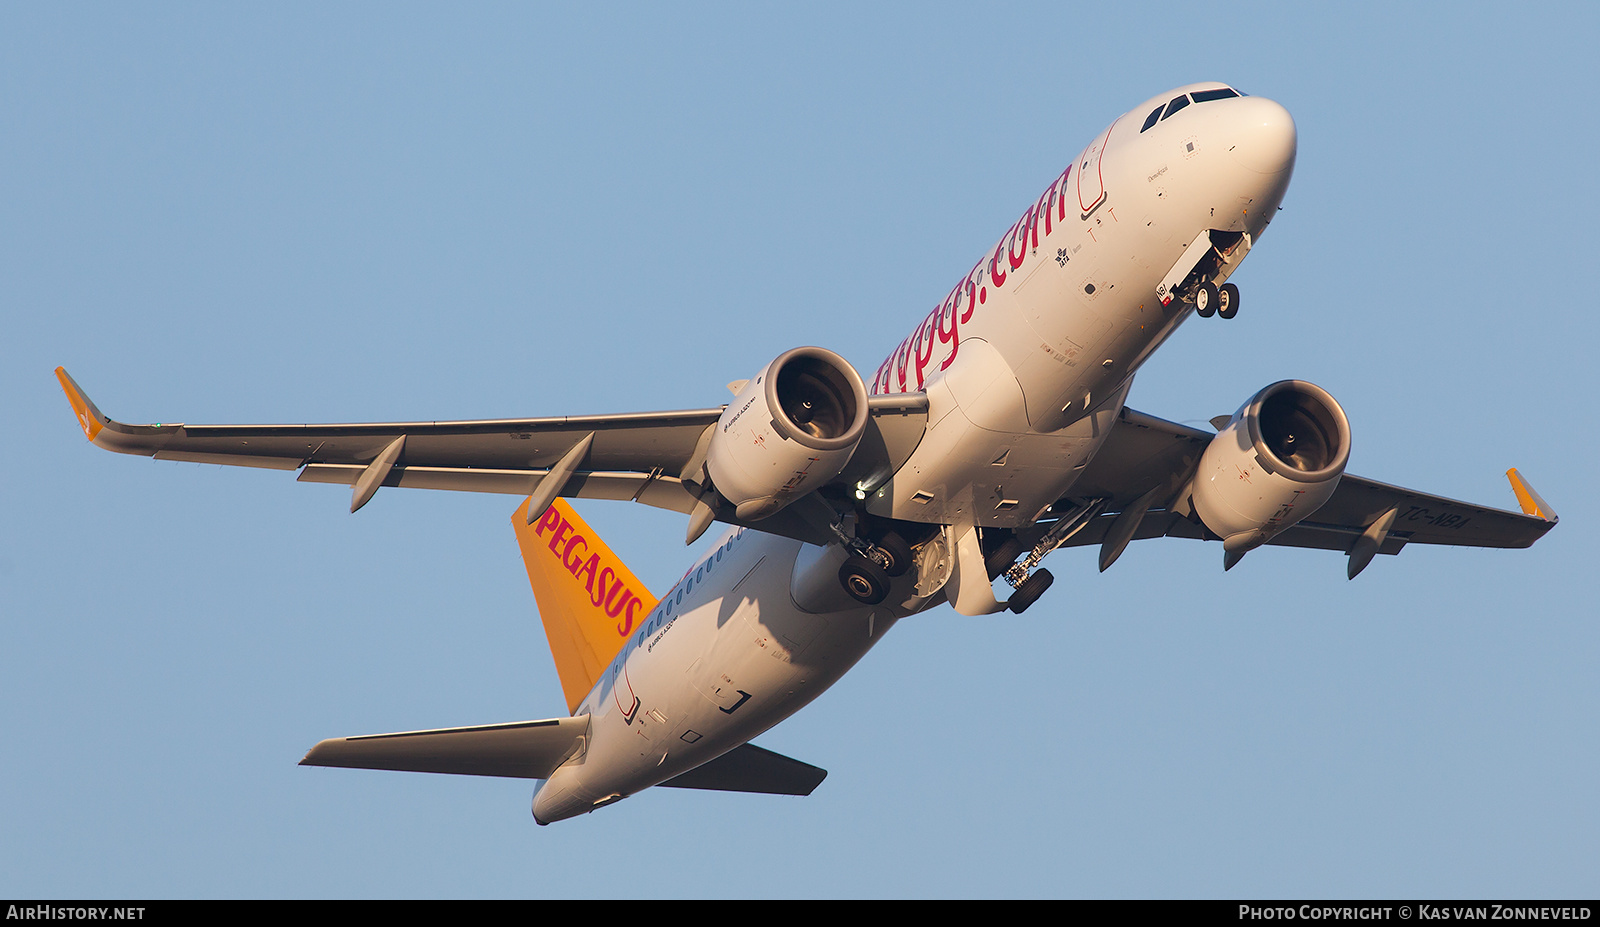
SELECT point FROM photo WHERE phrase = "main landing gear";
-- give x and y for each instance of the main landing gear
(1029, 592)
(1210, 299)
(865, 575)
(1031, 583)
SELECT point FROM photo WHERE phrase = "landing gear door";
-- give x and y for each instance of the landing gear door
(1213, 255)
(1091, 184)
(1167, 289)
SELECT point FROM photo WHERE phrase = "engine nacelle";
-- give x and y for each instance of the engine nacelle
(788, 431)
(1278, 460)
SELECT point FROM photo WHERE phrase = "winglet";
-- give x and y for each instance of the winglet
(1530, 501)
(89, 417)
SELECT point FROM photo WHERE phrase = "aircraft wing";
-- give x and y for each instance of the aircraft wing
(1143, 453)
(638, 456)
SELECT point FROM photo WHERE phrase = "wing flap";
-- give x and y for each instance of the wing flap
(654, 489)
(230, 460)
(518, 750)
(749, 768)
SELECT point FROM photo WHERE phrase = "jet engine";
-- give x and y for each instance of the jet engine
(1278, 459)
(788, 431)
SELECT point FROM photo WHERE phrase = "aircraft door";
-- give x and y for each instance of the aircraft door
(1090, 184)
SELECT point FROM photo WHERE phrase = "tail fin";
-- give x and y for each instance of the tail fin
(588, 600)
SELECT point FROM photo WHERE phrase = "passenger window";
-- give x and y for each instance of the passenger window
(1206, 96)
(1155, 115)
(1174, 106)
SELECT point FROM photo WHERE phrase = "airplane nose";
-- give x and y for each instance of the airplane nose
(1263, 134)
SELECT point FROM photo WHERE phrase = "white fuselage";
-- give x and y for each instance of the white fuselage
(1024, 362)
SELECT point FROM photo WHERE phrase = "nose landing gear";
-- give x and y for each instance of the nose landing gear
(1210, 299)
(1228, 301)
(1206, 298)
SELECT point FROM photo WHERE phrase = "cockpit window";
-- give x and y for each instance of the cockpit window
(1199, 96)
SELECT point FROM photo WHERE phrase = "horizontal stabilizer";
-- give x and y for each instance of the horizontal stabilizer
(749, 768)
(519, 750)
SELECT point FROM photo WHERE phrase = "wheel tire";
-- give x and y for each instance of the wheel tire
(897, 552)
(1228, 303)
(1030, 591)
(1206, 299)
(865, 581)
(1001, 558)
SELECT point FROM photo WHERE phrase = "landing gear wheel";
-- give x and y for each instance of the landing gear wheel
(1206, 299)
(896, 552)
(1001, 558)
(1030, 591)
(1228, 301)
(865, 581)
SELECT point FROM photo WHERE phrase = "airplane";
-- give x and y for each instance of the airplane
(995, 433)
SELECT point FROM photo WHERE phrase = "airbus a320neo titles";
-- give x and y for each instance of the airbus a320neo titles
(993, 434)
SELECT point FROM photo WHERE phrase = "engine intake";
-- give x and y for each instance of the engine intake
(789, 430)
(1276, 461)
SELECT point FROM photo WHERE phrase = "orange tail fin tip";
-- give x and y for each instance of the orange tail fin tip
(589, 601)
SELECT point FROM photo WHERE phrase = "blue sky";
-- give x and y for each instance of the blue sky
(377, 211)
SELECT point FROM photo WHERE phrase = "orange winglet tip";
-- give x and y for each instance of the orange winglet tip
(1531, 502)
(89, 418)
